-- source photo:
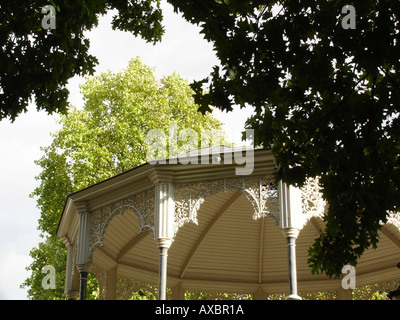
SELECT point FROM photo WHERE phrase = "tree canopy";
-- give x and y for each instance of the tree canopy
(326, 100)
(37, 62)
(325, 97)
(106, 137)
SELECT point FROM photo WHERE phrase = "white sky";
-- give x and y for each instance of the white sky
(183, 50)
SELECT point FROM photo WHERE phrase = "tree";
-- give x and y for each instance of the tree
(38, 60)
(107, 137)
(326, 99)
(325, 92)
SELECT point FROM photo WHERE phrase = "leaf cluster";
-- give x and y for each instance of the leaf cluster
(38, 63)
(326, 101)
(105, 138)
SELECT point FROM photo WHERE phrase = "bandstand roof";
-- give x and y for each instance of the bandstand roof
(227, 233)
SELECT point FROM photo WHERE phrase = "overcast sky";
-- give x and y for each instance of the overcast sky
(183, 50)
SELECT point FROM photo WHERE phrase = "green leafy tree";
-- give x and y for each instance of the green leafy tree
(325, 97)
(326, 100)
(49, 252)
(38, 62)
(107, 137)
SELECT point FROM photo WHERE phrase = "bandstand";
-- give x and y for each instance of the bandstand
(194, 224)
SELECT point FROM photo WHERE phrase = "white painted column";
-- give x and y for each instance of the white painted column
(290, 223)
(70, 290)
(83, 257)
(163, 245)
(291, 236)
(164, 229)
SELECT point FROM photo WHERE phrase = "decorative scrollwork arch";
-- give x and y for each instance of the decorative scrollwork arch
(312, 202)
(261, 191)
(141, 203)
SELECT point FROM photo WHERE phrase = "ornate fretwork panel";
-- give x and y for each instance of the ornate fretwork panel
(394, 219)
(312, 202)
(74, 250)
(141, 203)
(101, 276)
(261, 191)
(128, 289)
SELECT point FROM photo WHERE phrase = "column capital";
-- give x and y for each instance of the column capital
(159, 176)
(164, 242)
(291, 232)
(82, 207)
(84, 267)
(67, 241)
